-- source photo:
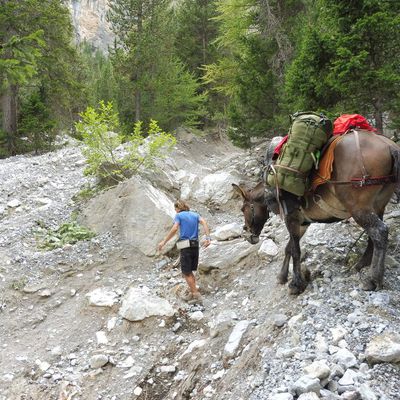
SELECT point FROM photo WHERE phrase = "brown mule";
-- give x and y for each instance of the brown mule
(366, 171)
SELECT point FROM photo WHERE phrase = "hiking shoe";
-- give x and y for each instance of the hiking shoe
(196, 299)
(186, 296)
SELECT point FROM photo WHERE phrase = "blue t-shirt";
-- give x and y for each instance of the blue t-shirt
(188, 225)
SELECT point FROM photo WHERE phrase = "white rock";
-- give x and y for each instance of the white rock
(14, 203)
(235, 338)
(366, 392)
(196, 316)
(139, 304)
(102, 297)
(56, 351)
(229, 231)
(129, 362)
(345, 358)
(281, 396)
(167, 369)
(349, 378)
(194, 345)
(218, 375)
(308, 396)
(306, 384)
(338, 333)
(101, 337)
(98, 361)
(221, 255)
(111, 323)
(268, 248)
(138, 391)
(384, 348)
(43, 365)
(318, 369)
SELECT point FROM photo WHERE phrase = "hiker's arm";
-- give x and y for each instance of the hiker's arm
(169, 236)
(207, 232)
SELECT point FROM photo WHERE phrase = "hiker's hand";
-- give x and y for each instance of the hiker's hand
(161, 245)
(207, 242)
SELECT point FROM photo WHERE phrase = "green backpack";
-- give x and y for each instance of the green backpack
(308, 134)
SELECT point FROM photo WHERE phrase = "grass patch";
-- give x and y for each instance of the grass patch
(67, 233)
(19, 284)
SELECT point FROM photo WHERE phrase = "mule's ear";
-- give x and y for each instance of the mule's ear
(258, 191)
(240, 190)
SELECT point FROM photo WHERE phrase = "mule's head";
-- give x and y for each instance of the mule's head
(254, 210)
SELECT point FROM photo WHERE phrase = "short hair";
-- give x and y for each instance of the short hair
(181, 205)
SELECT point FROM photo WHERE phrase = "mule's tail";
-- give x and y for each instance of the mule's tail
(395, 152)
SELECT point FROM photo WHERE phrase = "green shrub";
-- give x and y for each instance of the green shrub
(67, 233)
(100, 131)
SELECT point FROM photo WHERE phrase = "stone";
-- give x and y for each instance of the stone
(139, 304)
(268, 248)
(98, 361)
(235, 338)
(384, 348)
(306, 384)
(308, 396)
(281, 396)
(367, 393)
(102, 297)
(228, 231)
(345, 358)
(318, 369)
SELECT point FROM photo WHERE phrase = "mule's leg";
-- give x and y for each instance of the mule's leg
(283, 274)
(298, 283)
(366, 258)
(378, 233)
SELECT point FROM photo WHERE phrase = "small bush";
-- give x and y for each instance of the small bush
(67, 233)
(106, 157)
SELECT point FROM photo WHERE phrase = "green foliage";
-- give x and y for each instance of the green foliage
(101, 83)
(99, 129)
(348, 59)
(19, 58)
(36, 56)
(36, 125)
(67, 233)
(254, 47)
(19, 284)
(86, 193)
(196, 32)
(152, 81)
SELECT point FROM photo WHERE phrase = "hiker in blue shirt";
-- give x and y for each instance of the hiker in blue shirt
(187, 222)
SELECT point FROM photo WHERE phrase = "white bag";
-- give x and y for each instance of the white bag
(183, 244)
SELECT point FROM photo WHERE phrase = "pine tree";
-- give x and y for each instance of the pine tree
(36, 56)
(349, 59)
(151, 79)
(255, 42)
(19, 54)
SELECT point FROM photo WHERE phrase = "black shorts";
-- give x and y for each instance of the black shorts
(189, 260)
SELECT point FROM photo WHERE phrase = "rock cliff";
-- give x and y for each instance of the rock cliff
(90, 23)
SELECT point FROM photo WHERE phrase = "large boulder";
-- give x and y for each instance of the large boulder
(136, 212)
(221, 255)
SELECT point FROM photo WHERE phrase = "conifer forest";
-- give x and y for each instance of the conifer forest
(238, 65)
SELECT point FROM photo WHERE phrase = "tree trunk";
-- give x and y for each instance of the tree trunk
(9, 116)
(138, 96)
(379, 121)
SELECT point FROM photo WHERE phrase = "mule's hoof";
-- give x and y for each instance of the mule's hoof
(296, 289)
(307, 275)
(282, 279)
(369, 285)
(359, 266)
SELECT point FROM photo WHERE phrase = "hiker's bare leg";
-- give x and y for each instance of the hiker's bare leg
(191, 281)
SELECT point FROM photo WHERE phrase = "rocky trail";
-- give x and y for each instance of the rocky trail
(102, 318)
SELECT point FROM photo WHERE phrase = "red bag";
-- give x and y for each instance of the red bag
(349, 121)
